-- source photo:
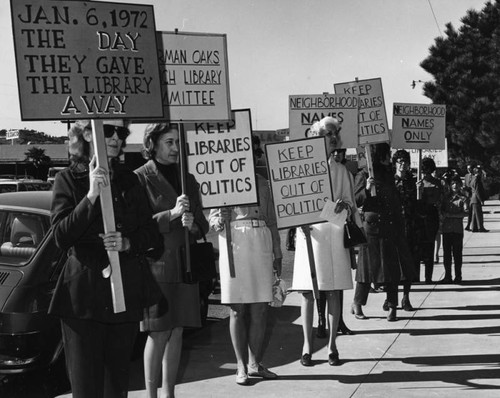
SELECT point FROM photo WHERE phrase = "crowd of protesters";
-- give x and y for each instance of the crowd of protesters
(402, 216)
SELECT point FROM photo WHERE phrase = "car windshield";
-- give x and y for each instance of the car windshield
(20, 235)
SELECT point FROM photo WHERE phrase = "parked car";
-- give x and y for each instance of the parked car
(30, 264)
(9, 185)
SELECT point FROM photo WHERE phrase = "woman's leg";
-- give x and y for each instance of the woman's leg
(256, 333)
(239, 338)
(437, 246)
(153, 357)
(333, 299)
(447, 250)
(171, 360)
(321, 332)
(306, 313)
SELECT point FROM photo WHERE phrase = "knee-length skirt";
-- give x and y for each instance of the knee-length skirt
(332, 259)
(253, 263)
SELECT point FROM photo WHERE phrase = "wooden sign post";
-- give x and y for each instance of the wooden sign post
(108, 216)
(198, 60)
(90, 60)
(300, 184)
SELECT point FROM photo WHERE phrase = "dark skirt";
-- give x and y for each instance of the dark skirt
(183, 308)
(384, 260)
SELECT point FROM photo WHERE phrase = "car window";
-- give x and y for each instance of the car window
(8, 188)
(21, 234)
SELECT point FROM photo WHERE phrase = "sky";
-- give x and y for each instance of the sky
(278, 48)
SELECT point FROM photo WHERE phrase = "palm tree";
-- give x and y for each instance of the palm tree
(38, 158)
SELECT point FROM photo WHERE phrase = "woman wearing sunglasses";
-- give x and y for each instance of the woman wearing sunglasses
(98, 342)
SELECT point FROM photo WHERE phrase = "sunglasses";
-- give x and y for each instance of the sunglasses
(110, 130)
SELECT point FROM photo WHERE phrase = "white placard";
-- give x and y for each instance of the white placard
(220, 156)
(418, 126)
(194, 77)
(305, 110)
(86, 60)
(300, 180)
(372, 117)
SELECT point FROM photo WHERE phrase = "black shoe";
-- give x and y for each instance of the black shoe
(321, 331)
(484, 230)
(344, 330)
(357, 311)
(385, 306)
(406, 305)
(457, 280)
(446, 281)
(467, 228)
(306, 360)
(391, 316)
(333, 359)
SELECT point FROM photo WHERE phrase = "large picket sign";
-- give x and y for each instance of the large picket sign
(194, 76)
(304, 110)
(372, 116)
(221, 158)
(418, 126)
(300, 180)
(83, 60)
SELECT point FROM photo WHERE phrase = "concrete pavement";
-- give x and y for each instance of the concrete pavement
(448, 347)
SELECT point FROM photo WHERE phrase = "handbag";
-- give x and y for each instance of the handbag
(279, 293)
(153, 301)
(353, 235)
(202, 258)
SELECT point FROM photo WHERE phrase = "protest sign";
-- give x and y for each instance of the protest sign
(220, 156)
(418, 126)
(440, 156)
(194, 76)
(300, 180)
(305, 110)
(83, 60)
(372, 117)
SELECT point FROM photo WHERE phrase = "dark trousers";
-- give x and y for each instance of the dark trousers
(98, 357)
(477, 217)
(452, 245)
(363, 289)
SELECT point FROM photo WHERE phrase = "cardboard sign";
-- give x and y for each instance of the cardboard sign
(305, 110)
(418, 126)
(300, 180)
(220, 156)
(194, 77)
(372, 116)
(440, 156)
(83, 60)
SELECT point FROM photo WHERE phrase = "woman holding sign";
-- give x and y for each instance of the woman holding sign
(256, 248)
(98, 342)
(386, 259)
(333, 260)
(173, 211)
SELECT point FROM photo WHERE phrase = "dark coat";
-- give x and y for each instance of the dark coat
(162, 197)
(81, 291)
(386, 257)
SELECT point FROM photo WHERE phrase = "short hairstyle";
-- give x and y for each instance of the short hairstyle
(78, 147)
(401, 154)
(428, 165)
(152, 134)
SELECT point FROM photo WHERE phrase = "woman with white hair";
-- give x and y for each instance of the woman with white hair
(332, 259)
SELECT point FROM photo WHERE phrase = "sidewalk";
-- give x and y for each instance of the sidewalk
(449, 347)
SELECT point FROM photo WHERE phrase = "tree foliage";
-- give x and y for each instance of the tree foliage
(37, 157)
(466, 69)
